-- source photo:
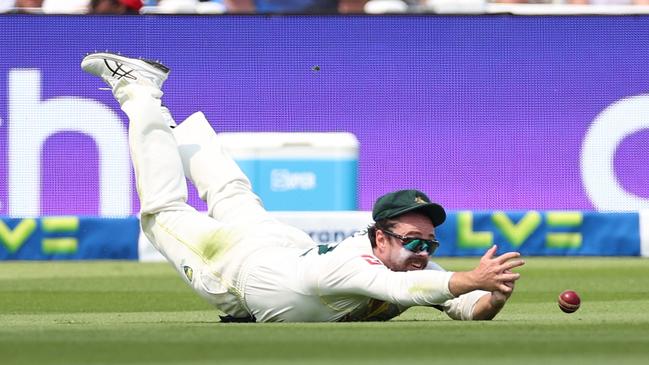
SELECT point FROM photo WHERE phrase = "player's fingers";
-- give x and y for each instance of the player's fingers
(507, 266)
(507, 256)
(490, 253)
(505, 289)
(509, 277)
(509, 283)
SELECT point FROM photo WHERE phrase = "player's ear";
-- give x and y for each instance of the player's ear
(381, 239)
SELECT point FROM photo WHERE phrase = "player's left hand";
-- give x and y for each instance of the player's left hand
(498, 298)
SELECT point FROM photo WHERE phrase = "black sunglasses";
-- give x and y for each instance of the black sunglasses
(415, 244)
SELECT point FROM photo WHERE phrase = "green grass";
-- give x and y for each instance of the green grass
(133, 313)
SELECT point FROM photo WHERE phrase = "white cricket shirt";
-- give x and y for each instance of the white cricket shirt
(342, 282)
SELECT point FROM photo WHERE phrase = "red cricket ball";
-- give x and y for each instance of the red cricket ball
(569, 301)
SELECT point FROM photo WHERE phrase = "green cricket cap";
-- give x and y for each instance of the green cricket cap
(394, 204)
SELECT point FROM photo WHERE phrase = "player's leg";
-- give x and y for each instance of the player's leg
(218, 179)
(158, 169)
(188, 239)
(227, 191)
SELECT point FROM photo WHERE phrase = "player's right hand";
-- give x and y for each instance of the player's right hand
(494, 272)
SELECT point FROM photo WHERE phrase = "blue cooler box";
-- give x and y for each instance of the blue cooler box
(298, 171)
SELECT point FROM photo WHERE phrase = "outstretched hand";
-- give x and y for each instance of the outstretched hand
(493, 274)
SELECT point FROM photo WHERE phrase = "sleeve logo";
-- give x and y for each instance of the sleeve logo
(371, 260)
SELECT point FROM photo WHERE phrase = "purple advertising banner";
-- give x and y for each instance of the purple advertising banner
(479, 112)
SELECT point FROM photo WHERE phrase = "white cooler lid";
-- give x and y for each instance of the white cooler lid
(267, 145)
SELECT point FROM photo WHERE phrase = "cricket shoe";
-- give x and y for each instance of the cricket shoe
(116, 69)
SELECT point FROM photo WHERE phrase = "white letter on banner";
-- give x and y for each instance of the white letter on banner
(610, 127)
(32, 121)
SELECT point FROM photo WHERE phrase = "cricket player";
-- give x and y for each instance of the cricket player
(255, 268)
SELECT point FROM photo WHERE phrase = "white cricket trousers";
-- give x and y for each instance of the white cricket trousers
(209, 251)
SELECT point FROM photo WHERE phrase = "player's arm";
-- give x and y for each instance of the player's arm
(490, 304)
(475, 305)
(481, 304)
(365, 275)
(465, 307)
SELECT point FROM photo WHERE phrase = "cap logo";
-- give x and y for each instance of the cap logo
(420, 200)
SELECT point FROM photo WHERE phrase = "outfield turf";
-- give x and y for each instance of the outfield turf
(134, 313)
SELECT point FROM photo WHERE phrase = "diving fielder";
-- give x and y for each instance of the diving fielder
(255, 268)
